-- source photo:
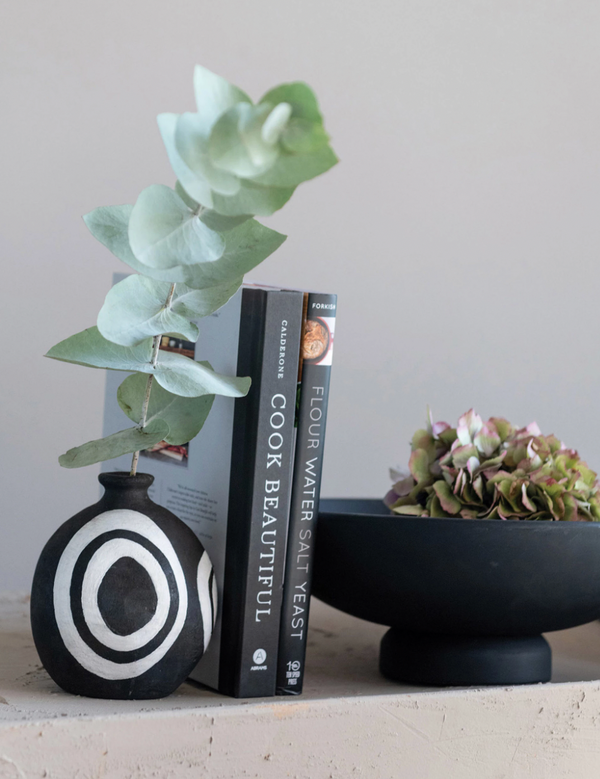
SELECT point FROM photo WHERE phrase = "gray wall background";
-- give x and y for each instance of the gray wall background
(460, 230)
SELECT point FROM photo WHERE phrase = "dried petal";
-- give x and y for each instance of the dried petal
(503, 427)
(447, 437)
(448, 501)
(533, 428)
(468, 427)
(424, 440)
(404, 486)
(461, 455)
(487, 439)
(410, 511)
(435, 508)
(525, 498)
(397, 473)
(472, 464)
(419, 465)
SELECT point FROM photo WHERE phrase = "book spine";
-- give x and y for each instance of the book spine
(316, 355)
(260, 493)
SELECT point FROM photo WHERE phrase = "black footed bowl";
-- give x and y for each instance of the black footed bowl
(466, 599)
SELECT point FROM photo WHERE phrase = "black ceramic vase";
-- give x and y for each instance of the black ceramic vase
(123, 598)
(467, 599)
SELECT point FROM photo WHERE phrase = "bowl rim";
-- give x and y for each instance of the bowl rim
(476, 521)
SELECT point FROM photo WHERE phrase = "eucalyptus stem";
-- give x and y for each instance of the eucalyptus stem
(146, 403)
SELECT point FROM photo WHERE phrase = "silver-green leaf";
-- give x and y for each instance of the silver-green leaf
(304, 149)
(193, 303)
(90, 348)
(244, 141)
(211, 218)
(186, 137)
(110, 225)
(124, 442)
(184, 416)
(246, 246)
(192, 144)
(215, 95)
(175, 372)
(186, 142)
(134, 309)
(193, 182)
(253, 198)
(300, 97)
(292, 169)
(164, 232)
(303, 137)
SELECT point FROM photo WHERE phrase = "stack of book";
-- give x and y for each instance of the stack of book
(249, 484)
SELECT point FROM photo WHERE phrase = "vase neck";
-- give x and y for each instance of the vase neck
(122, 490)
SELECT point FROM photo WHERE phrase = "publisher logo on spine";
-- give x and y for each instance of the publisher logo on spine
(292, 674)
(259, 658)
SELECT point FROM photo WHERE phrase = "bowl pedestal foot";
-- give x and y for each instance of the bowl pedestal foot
(444, 660)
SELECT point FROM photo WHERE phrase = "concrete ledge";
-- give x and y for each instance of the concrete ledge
(350, 721)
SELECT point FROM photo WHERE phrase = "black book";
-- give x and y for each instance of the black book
(313, 391)
(260, 492)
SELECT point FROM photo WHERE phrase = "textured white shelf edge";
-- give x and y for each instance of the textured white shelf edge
(350, 722)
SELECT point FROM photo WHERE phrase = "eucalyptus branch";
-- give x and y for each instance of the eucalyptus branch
(198, 234)
(153, 360)
(169, 299)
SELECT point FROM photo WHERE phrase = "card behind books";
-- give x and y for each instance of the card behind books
(194, 483)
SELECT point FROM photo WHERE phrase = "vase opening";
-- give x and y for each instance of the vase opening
(122, 480)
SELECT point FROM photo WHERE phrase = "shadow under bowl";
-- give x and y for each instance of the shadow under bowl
(467, 599)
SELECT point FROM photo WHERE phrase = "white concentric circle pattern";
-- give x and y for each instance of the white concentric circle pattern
(207, 596)
(98, 565)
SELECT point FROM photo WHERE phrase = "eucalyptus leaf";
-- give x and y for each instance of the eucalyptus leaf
(90, 348)
(305, 152)
(188, 378)
(193, 182)
(246, 246)
(164, 232)
(215, 95)
(124, 442)
(211, 218)
(303, 137)
(299, 96)
(276, 123)
(134, 309)
(192, 204)
(185, 417)
(292, 169)
(176, 373)
(222, 224)
(244, 140)
(186, 137)
(197, 303)
(253, 198)
(110, 225)
(192, 142)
